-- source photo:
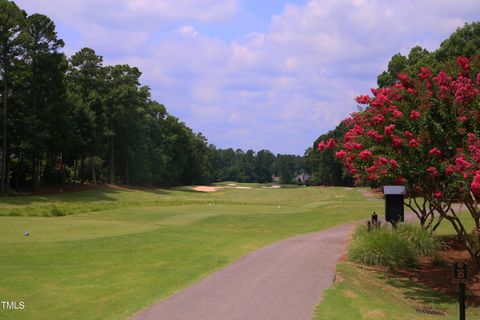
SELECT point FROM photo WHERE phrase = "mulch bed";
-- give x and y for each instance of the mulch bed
(439, 276)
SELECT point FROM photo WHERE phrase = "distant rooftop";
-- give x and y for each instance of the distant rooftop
(393, 190)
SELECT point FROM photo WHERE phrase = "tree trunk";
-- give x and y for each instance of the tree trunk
(94, 175)
(7, 177)
(112, 159)
(127, 175)
(34, 173)
(82, 160)
(74, 177)
(4, 142)
(19, 171)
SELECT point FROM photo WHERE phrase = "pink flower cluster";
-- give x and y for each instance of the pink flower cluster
(330, 144)
(414, 115)
(475, 185)
(465, 91)
(363, 99)
(463, 62)
(425, 73)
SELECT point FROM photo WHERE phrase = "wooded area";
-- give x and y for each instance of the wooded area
(74, 119)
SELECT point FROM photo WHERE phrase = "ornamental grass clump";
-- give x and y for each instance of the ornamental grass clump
(424, 243)
(392, 248)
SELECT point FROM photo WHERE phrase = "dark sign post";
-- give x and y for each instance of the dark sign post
(394, 204)
(460, 275)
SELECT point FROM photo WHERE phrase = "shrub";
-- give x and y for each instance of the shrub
(392, 248)
(55, 211)
(424, 243)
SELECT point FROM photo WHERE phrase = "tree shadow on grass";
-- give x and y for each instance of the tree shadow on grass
(416, 292)
(97, 193)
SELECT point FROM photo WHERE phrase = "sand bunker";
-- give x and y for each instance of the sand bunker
(272, 187)
(206, 188)
(234, 186)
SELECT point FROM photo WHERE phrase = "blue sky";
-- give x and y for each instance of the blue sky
(256, 74)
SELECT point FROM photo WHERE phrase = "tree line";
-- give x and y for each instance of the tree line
(465, 41)
(249, 166)
(74, 119)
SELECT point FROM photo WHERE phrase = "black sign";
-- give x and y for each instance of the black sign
(460, 272)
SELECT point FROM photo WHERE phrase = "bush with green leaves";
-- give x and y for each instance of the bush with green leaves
(398, 247)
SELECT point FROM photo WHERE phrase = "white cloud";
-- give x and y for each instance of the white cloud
(188, 31)
(140, 12)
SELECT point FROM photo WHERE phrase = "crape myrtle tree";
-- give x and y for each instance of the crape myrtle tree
(323, 166)
(422, 132)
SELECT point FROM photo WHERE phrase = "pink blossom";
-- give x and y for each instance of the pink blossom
(383, 160)
(372, 133)
(340, 154)
(378, 119)
(330, 143)
(404, 79)
(397, 114)
(449, 170)
(438, 195)
(399, 180)
(463, 62)
(414, 114)
(475, 185)
(432, 171)
(397, 142)
(357, 146)
(366, 155)
(389, 129)
(380, 99)
(424, 73)
(378, 137)
(372, 169)
(410, 90)
(358, 130)
(462, 164)
(444, 82)
(363, 99)
(471, 137)
(347, 121)
(434, 152)
(462, 118)
(408, 135)
(413, 143)
(465, 92)
(321, 146)
(393, 164)
(375, 135)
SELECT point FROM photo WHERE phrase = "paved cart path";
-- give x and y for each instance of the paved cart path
(282, 281)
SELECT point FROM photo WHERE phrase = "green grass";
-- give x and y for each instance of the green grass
(446, 228)
(116, 252)
(363, 293)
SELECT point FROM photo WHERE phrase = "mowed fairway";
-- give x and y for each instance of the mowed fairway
(123, 250)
